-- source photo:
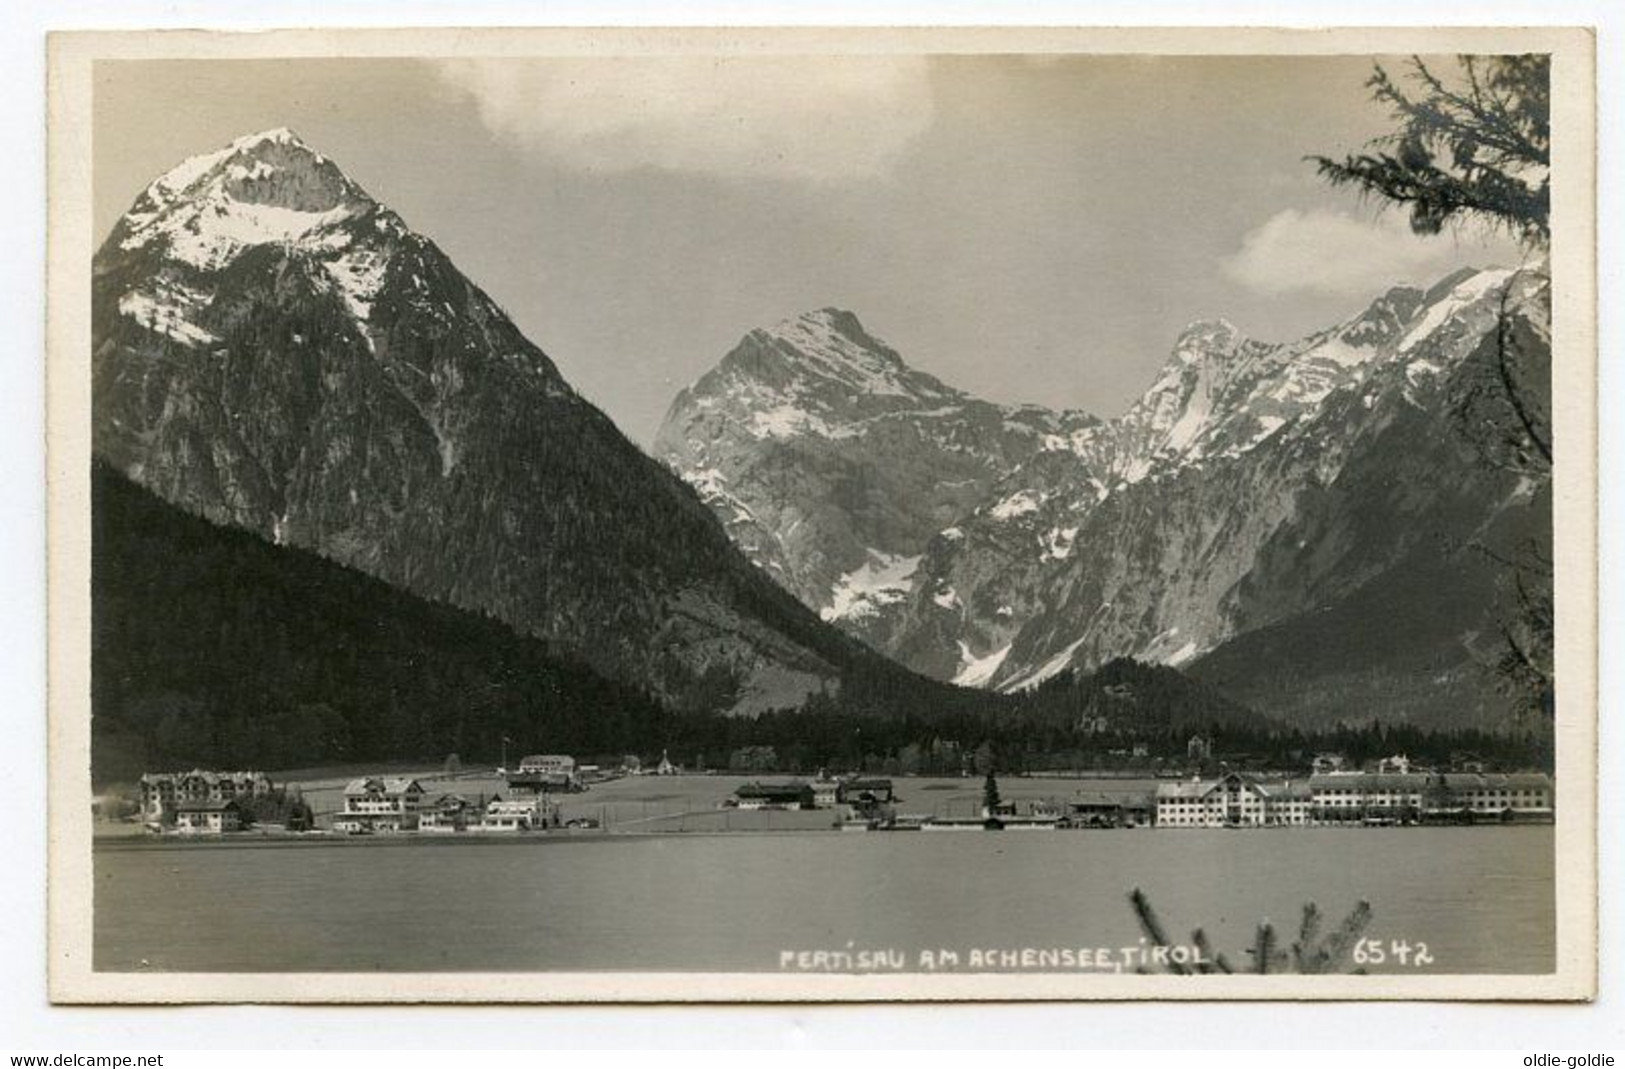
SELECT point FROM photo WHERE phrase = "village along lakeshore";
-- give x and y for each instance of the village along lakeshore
(565, 866)
(1445, 845)
(1416, 846)
(553, 792)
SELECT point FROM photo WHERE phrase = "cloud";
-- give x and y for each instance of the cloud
(811, 118)
(1334, 253)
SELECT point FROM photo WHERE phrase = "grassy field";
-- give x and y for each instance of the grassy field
(695, 803)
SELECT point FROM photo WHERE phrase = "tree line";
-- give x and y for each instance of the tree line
(213, 648)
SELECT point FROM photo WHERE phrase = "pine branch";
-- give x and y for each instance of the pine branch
(1472, 120)
(1152, 926)
(1263, 950)
(1495, 137)
(1341, 944)
(1308, 932)
(1213, 961)
(1514, 392)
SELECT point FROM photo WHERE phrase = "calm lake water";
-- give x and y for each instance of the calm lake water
(1481, 898)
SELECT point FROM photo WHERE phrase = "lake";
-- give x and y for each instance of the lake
(1481, 898)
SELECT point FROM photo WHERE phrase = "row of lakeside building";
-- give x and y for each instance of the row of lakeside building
(1329, 798)
(391, 804)
(1232, 800)
(218, 802)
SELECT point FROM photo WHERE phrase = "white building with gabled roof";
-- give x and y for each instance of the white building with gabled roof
(381, 804)
(1233, 800)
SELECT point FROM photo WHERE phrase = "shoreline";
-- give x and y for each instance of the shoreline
(104, 841)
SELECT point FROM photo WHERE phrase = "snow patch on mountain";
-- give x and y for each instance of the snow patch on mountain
(1198, 407)
(1050, 668)
(1181, 655)
(358, 276)
(1057, 542)
(168, 311)
(977, 671)
(785, 421)
(1461, 297)
(1021, 503)
(1267, 425)
(1341, 353)
(712, 487)
(220, 235)
(883, 579)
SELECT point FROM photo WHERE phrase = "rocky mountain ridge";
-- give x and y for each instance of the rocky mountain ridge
(1157, 534)
(276, 351)
(832, 462)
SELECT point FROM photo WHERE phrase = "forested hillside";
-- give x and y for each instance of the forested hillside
(213, 647)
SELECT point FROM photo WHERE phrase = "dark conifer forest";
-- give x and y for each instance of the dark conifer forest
(213, 647)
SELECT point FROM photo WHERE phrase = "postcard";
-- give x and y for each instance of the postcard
(750, 514)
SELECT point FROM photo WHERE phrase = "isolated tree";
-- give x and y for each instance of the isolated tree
(1479, 149)
(990, 794)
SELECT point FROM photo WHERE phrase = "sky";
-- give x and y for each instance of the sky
(1027, 228)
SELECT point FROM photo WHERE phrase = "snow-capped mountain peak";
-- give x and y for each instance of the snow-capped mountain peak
(828, 350)
(880, 455)
(1207, 338)
(268, 188)
(1220, 394)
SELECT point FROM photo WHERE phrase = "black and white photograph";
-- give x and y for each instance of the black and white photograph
(822, 515)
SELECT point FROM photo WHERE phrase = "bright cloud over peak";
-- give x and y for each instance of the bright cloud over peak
(1338, 254)
(812, 118)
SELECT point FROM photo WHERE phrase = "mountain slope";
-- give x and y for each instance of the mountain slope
(1282, 481)
(211, 647)
(275, 350)
(833, 463)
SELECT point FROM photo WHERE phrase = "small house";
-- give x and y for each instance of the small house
(865, 791)
(542, 773)
(380, 804)
(512, 815)
(1095, 809)
(826, 792)
(448, 814)
(774, 796)
(208, 817)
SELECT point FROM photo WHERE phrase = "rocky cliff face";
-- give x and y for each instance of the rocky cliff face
(833, 463)
(1251, 485)
(276, 351)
